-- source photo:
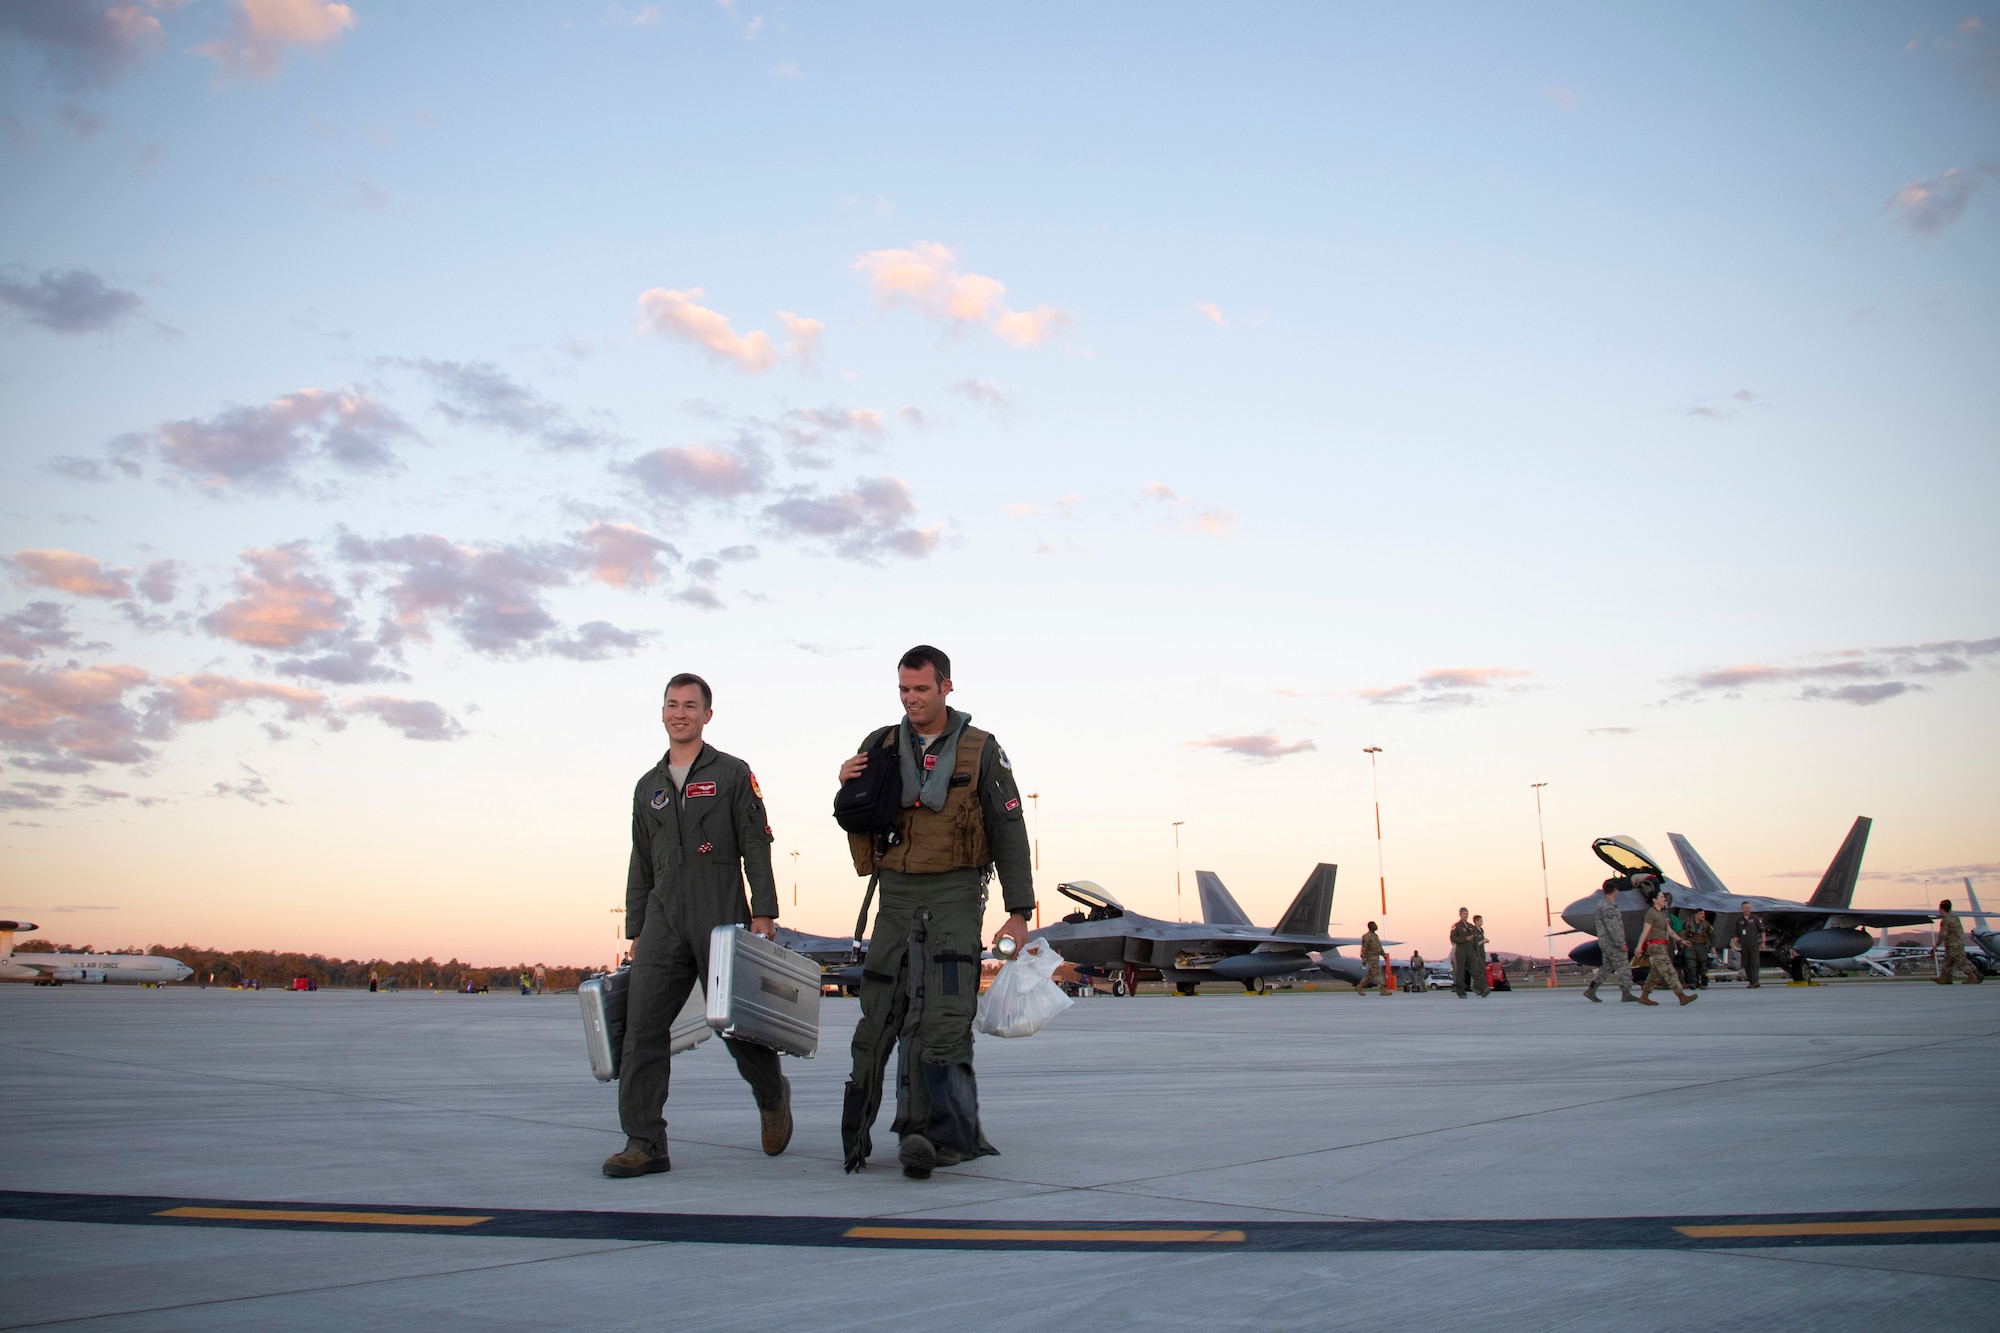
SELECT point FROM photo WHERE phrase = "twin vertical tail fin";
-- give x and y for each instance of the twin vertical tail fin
(1836, 886)
(1218, 906)
(1696, 869)
(1313, 908)
(1977, 913)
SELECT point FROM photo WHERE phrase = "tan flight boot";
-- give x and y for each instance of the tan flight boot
(1688, 997)
(777, 1123)
(636, 1160)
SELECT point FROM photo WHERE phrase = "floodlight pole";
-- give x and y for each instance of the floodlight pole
(1548, 913)
(795, 877)
(1375, 783)
(1178, 914)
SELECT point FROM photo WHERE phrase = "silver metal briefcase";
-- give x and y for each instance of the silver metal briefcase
(603, 1001)
(762, 992)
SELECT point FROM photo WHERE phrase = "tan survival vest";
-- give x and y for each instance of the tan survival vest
(951, 838)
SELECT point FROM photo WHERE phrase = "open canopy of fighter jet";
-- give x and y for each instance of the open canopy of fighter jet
(1108, 937)
(1825, 926)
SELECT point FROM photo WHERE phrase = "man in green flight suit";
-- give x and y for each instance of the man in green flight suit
(698, 829)
(960, 820)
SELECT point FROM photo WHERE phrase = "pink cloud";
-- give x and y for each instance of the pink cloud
(280, 603)
(261, 30)
(927, 276)
(66, 571)
(623, 556)
(674, 314)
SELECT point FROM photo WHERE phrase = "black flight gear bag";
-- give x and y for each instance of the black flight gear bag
(869, 802)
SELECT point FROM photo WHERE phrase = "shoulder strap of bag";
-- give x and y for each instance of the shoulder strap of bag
(861, 922)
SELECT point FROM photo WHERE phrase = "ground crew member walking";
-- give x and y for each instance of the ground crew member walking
(1463, 939)
(960, 819)
(1951, 943)
(1373, 958)
(1699, 934)
(1480, 985)
(698, 830)
(1658, 938)
(1419, 979)
(1611, 946)
(1750, 944)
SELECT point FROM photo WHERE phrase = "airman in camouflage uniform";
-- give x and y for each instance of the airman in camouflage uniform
(1699, 934)
(1951, 940)
(1611, 944)
(1372, 957)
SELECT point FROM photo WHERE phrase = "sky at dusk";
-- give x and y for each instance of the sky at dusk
(394, 395)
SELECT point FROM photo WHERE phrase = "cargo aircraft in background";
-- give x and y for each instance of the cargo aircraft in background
(52, 969)
(1111, 940)
(1826, 927)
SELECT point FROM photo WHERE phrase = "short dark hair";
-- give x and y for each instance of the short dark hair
(689, 678)
(1371, 925)
(1945, 906)
(923, 655)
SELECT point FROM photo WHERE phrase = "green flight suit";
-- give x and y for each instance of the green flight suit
(1464, 939)
(920, 980)
(692, 848)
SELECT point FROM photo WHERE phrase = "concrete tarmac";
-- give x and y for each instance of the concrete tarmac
(1252, 1114)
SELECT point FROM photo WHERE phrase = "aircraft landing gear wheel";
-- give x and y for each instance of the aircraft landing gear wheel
(1118, 987)
(1187, 987)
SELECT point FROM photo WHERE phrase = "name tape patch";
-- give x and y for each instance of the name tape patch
(695, 789)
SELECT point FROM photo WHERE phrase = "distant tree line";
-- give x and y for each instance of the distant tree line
(271, 969)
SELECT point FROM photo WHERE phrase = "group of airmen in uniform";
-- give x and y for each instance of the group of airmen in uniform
(700, 834)
(1468, 960)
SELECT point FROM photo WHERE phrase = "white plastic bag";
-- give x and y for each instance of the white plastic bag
(1024, 995)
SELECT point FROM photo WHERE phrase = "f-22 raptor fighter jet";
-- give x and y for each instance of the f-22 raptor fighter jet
(1825, 926)
(1107, 938)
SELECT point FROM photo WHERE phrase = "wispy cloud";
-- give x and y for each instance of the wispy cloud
(1210, 312)
(479, 393)
(622, 556)
(83, 44)
(676, 477)
(416, 719)
(280, 602)
(270, 448)
(1214, 522)
(1564, 99)
(1927, 207)
(261, 31)
(675, 315)
(38, 627)
(999, 402)
(927, 276)
(1448, 687)
(68, 301)
(807, 431)
(67, 571)
(1261, 748)
(865, 522)
(1730, 407)
(1860, 676)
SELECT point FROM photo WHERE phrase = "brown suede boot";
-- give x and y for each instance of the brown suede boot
(777, 1123)
(1688, 997)
(636, 1160)
(1647, 999)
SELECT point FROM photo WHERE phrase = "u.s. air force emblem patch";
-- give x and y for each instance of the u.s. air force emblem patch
(1005, 762)
(660, 799)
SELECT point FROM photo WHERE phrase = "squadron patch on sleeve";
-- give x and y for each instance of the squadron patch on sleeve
(660, 799)
(756, 790)
(1005, 762)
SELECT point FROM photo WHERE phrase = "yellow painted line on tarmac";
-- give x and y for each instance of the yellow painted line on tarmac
(1044, 1234)
(1905, 1227)
(315, 1215)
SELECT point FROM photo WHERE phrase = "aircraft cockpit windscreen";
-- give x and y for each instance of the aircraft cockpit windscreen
(1098, 903)
(1624, 854)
